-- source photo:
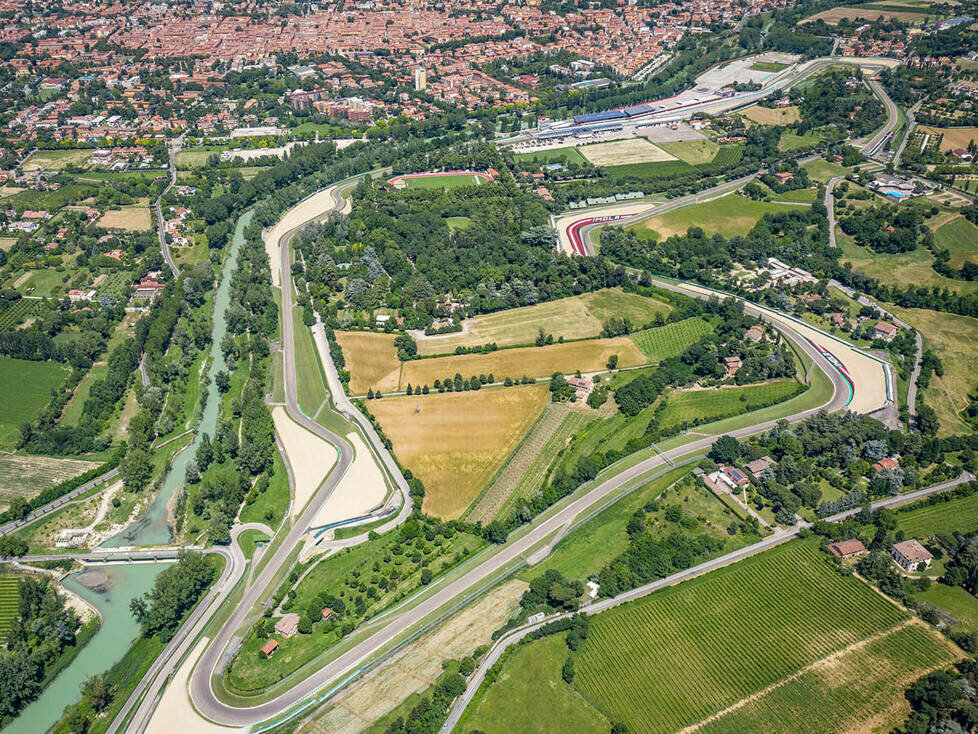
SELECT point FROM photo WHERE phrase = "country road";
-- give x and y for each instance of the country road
(172, 150)
(477, 678)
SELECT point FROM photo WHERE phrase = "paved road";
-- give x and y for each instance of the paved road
(58, 503)
(911, 124)
(875, 145)
(172, 149)
(476, 679)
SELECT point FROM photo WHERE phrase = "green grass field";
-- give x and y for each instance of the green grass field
(960, 238)
(705, 406)
(9, 602)
(822, 170)
(674, 658)
(310, 381)
(728, 215)
(768, 66)
(959, 515)
(458, 223)
(270, 506)
(790, 141)
(671, 340)
(27, 388)
(650, 170)
(955, 601)
(860, 686)
(569, 154)
(693, 152)
(450, 181)
(802, 196)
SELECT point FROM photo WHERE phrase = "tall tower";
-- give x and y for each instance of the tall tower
(420, 79)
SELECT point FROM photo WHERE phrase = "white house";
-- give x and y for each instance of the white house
(910, 555)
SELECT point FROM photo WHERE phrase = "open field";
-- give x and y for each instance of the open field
(792, 141)
(569, 154)
(526, 469)
(196, 157)
(531, 697)
(728, 215)
(672, 339)
(455, 442)
(768, 66)
(575, 317)
(56, 160)
(7, 242)
(587, 356)
(960, 238)
(309, 377)
(27, 388)
(371, 359)
(772, 116)
(27, 476)
(9, 603)
(822, 170)
(456, 224)
(954, 600)
(129, 218)
(959, 515)
(858, 689)
(705, 406)
(898, 269)
(439, 180)
(693, 152)
(954, 137)
(625, 152)
(682, 654)
(955, 340)
(834, 15)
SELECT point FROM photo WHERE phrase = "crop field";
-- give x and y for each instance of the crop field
(524, 473)
(958, 515)
(9, 604)
(455, 442)
(728, 215)
(569, 154)
(952, 137)
(693, 152)
(861, 686)
(7, 242)
(671, 340)
(50, 200)
(588, 356)
(705, 406)
(960, 238)
(20, 311)
(772, 115)
(56, 160)
(728, 155)
(118, 284)
(689, 651)
(625, 152)
(27, 388)
(574, 317)
(955, 340)
(128, 218)
(652, 170)
(371, 359)
(27, 476)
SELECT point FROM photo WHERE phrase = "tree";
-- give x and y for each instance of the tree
(98, 692)
(567, 672)
(613, 362)
(725, 450)
(223, 381)
(426, 576)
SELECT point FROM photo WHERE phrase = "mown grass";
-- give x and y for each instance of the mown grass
(27, 388)
(309, 377)
(960, 238)
(727, 215)
(568, 155)
(681, 654)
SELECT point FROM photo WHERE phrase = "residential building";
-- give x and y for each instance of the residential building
(288, 625)
(757, 466)
(885, 331)
(846, 549)
(910, 555)
(269, 648)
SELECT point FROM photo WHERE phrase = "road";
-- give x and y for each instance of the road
(172, 148)
(911, 124)
(58, 503)
(476, 679)
(874, 147)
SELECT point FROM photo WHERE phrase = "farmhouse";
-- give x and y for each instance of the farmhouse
(887, 463)
(288, 625)
(582, 385)
(736, 476)
(757, 466)
(148, 287)
(885, 330)
(754, 334)
(846, 549)
(327, 613)
(732, 364)
(269, 648)
(910, 555)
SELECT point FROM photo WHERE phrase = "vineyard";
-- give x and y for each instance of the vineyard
(19, 311)
(863, 684)
(671, 340)
(117, 284)
(960, 515)
(697, 407)
(728, 155)
(9, 601)
(689, 651)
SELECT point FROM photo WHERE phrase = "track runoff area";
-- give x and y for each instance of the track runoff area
(869, 378)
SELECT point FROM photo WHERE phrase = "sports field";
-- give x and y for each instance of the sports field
(705, 406)
(955, 340)
(439, 180)
(129, 218)
(729, 215)
(960, 238)
(26, 476)
(27, 388)
(671, 340)
(953, 137)
(772, 115)
(860, 689)
(576, 317)
(958, 515)
(455, 442)
(587, 356)
(9, 603)
(680, 655)
(693, 152)
(371, 360)
(625, 152)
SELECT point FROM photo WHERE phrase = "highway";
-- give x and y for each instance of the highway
(478, 677)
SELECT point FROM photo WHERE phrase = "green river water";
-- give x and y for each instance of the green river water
(126, 581)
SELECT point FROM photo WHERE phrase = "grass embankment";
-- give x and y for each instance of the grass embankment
(309, 377)
(728, 216)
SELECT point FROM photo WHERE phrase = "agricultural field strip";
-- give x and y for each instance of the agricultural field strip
(960, 515)
(9, 604)
(672, 339)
